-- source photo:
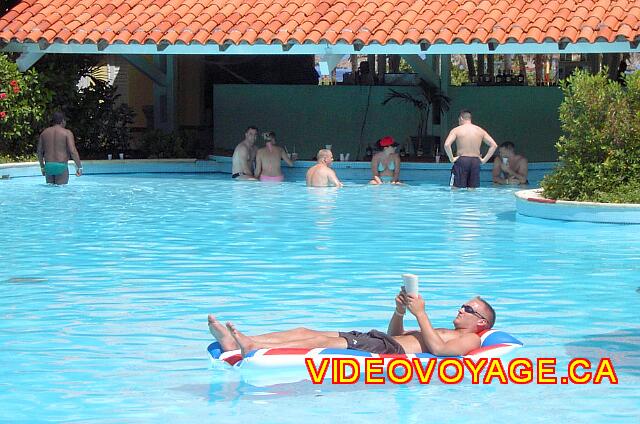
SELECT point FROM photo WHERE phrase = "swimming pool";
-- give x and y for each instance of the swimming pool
(107, 283)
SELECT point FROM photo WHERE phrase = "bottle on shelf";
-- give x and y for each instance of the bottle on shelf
(508, 79)
(369, 151)
(499, 77)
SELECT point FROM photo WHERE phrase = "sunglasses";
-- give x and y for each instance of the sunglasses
(468, 309)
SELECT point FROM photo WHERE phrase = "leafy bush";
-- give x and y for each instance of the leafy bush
(599, 152)
(23, 101)
(94, 115)
(158, 145)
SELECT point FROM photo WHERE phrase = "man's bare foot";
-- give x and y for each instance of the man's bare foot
(245, 342)
(221, 334)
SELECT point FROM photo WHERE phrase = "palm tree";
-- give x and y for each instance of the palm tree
(429, 97)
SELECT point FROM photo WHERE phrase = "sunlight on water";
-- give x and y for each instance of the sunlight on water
(107, 283)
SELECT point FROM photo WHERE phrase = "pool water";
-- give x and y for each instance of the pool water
(107, 282)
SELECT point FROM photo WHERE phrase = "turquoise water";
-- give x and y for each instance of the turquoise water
(106, 285)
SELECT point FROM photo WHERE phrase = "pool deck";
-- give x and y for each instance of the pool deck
(351, 170)
(532, 203)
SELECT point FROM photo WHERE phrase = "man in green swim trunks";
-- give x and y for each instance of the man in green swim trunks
(55, 146)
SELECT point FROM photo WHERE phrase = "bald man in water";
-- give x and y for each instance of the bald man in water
(468, 138)
(321, 174)
(55, 145)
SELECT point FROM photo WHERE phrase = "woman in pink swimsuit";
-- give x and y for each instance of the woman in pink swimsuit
(268, 160)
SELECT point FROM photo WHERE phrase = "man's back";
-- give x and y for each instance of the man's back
(268, 161)
(55, 141)
(469, 139)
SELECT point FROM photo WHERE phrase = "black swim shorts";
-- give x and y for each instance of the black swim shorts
(374, 341)
(465, 172)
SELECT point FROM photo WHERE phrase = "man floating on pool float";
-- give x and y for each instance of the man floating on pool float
(55, 145)
(468, 138)
(473, 317)
(321, 174)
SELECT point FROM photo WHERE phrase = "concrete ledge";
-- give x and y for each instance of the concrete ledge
(532, 203)
(116, 166)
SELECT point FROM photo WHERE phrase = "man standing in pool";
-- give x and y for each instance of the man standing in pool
(55, 145)
(244, 155)
(321, 174)
(473, 317)
(268, 159)
(468, 138)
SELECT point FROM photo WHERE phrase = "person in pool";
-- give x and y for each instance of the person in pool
(385, 165)
(473, 317)
(55, 145)
(468, 138)
(268, 160)
(321, 174)
(509, 167)
(243, 156)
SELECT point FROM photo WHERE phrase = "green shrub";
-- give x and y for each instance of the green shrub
(23, 101)
(599, 152)
(98, 121)
(158, 145)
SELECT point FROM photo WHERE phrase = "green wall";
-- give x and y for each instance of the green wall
(308, 117)
(526, 116)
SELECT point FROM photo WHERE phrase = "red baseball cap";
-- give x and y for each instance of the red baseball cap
(387, 141)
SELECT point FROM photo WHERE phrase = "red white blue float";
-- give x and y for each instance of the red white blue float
(494, 344)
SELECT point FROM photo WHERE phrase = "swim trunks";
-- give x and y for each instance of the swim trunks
(465, 172)
(53, 169)
(374, 342)
(277, 179)
(237, 174)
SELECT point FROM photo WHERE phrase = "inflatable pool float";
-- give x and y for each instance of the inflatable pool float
(494, 344)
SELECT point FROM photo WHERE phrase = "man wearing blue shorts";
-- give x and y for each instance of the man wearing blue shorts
(466, 164)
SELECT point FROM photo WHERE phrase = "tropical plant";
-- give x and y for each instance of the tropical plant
(98, 120)
(599, 152)
(23, 101)
(428, 98)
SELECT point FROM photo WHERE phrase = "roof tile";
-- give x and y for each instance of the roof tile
(308, 21)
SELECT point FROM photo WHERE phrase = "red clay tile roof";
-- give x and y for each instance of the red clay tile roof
(316, 21)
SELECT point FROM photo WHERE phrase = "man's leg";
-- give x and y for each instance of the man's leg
(292, 335)
(221, 334)
(247, 344)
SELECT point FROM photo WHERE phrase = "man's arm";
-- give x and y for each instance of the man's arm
(41, 153)
(258, 169)
(71, 147)
(497, 170)
(334, 178)
(245, 160)
(285, 157)
(447, 145)
(396, 324)
(522, 171)
(432, 340)
(492, 147)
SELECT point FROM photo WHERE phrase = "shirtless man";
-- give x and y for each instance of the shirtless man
(268, 160)
(509, 167)
(468, 138)
(244, 155)
(321, 174)
(473, 317)
(55, 145)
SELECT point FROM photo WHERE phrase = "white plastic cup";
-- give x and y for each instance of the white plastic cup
(410, 283)
(437, 158)
(121, 155)
(328, 146)
(294, 156)
(505, 161)
(109, 156)
(346, 156)
(341, 157)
